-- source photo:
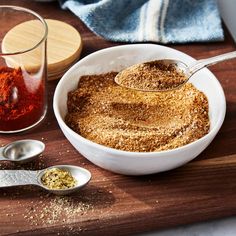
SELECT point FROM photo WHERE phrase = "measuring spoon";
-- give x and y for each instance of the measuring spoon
(10, 178)
(21, 151)
(181, 67)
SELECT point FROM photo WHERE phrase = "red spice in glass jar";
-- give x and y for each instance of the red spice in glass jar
(19, 107)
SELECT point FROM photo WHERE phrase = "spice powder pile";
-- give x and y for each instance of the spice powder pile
(19, 108)
(152, 75)
(56, 178)
(130, 120)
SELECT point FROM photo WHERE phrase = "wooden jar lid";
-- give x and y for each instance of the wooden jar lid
(64, 46)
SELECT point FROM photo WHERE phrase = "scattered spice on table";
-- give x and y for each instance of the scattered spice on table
(56, 178)
(151, 76)
(19, 107)
(131, 120)
(50, 210)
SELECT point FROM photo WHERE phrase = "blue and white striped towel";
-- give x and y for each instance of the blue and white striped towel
(163, 21)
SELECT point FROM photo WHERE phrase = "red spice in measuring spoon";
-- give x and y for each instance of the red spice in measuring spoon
(19, 107)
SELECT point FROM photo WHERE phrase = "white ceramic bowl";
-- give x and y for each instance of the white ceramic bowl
(137, 163)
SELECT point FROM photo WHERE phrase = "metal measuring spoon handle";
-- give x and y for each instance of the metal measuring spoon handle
(1, 154)
(9, 178)
(198, 65)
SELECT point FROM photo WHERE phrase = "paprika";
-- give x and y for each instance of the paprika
(20, 107)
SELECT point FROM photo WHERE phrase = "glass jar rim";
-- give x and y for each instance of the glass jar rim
(23, 9)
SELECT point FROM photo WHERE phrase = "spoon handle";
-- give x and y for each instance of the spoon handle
(1, 154)
(211, 61)
(18, 177)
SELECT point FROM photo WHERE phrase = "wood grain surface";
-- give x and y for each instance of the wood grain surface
(120, 205)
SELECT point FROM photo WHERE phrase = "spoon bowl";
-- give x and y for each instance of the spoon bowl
(22, 151)
(146, 77)
(81, 175)
(164, 75)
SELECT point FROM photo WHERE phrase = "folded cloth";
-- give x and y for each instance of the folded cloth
(163, 21)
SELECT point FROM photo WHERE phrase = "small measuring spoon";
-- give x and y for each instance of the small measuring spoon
(181, 67)
(22, 151)
(10, 178)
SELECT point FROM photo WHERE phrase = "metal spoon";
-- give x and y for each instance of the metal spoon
(21, 151)
(180, 66)
(10, 178)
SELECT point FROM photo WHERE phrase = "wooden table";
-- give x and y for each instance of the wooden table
(119, 205)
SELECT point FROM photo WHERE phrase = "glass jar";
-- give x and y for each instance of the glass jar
(23, 69)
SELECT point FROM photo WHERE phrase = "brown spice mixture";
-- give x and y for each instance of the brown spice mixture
(130, 120)
(152, 75)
